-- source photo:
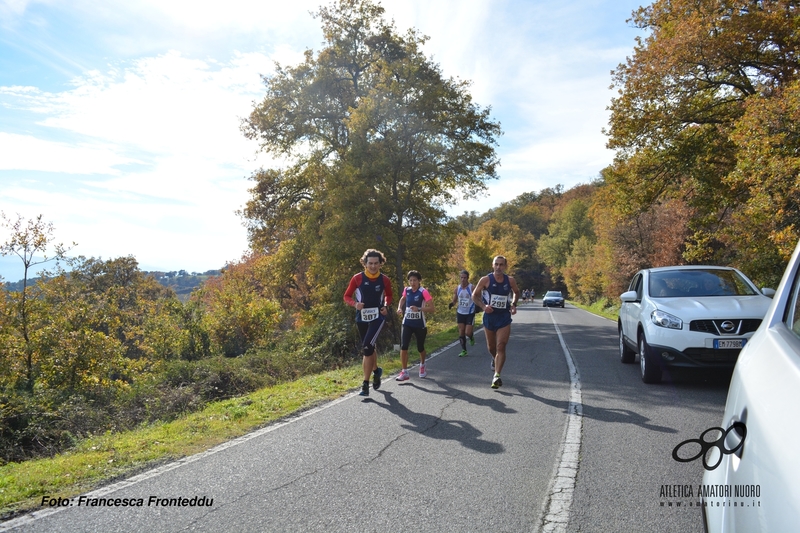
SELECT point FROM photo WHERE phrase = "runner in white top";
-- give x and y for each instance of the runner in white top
(465, 312)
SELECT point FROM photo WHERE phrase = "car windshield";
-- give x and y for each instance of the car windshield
(556, 294)
(699, 282)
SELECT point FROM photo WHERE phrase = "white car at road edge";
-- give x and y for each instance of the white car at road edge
(688, 316)
(755, 485)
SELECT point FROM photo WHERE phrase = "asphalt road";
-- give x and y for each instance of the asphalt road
(447, 452)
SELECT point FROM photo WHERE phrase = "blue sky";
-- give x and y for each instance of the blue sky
(119, 120)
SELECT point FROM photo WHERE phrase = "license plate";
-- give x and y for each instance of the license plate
(728, 344)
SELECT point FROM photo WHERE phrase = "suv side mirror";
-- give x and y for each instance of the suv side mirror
(768, 292)
(628, 297)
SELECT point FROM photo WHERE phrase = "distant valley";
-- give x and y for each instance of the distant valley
(182, 282)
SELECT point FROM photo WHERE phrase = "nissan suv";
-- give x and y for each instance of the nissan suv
(688, 316)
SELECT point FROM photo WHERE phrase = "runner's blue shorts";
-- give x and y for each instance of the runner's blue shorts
(496, 320)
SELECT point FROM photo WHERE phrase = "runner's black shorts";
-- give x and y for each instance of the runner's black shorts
(419, 333)
(465, 319)
(369, 332)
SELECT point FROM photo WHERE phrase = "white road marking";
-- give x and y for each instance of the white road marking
(556, 516)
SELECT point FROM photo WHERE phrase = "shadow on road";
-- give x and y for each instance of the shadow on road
(451, 392)
(437, 428)
(619, 416)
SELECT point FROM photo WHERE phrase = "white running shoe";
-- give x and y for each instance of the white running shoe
(403, 376)
(422, 372)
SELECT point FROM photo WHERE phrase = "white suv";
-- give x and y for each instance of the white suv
(688, 316)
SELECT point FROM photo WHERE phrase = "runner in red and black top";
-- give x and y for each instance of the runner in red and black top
(370, 292)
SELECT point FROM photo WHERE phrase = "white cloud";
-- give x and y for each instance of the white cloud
(12, 8)
(161, 160)
(26, 152)
(166, 104)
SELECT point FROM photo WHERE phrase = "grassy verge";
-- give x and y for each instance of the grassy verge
(601, 308)
(102, 459)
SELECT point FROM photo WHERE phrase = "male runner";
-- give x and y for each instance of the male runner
(465, 312)
(497, 295)
(370, 292)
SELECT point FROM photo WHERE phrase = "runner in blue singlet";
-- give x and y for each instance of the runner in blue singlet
(497, 295)
(415, 302)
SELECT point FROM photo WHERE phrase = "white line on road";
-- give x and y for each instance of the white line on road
(556, 517)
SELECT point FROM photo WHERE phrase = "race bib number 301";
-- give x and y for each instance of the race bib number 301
(498, 302)
(368, 314)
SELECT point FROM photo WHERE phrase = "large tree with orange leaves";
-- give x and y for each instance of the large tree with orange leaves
(703, 97)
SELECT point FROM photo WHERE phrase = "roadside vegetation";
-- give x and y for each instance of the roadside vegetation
(378, 142)
(600, 308)
(103, 458)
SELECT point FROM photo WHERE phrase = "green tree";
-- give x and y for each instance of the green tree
(568, 225)
(378, 143)
(238, 311)
(101, 324)
(30, 241)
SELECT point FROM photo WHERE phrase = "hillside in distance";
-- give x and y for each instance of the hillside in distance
(182, 282)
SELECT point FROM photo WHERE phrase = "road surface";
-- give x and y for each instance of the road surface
(573, 441)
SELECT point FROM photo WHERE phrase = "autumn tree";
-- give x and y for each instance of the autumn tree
(30, 240)
(583, 271)
(239, 311)
(690, 86)
(378, 143)
(767, 176)
(495, 237)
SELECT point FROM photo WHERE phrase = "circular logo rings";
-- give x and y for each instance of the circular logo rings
(706, 446)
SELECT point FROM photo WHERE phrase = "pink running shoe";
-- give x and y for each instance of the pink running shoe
(403, 376)
(422, 372)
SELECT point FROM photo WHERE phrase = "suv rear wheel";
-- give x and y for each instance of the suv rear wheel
(651, 372)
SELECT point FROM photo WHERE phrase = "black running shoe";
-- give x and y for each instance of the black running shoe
(376, 378)
(364, 389)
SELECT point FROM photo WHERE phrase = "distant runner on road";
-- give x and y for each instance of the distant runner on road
(465, 312)
(497, 295)
(370, 292)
